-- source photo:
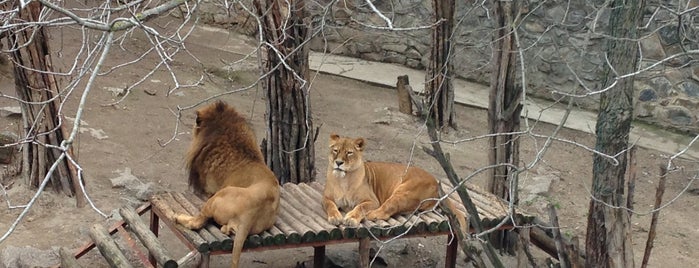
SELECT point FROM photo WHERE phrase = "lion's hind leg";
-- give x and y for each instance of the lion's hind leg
(198, 221)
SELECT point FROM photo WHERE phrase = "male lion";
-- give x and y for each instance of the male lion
(375, 190)
(224, 161)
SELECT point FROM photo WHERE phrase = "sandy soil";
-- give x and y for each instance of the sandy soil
(134, 127)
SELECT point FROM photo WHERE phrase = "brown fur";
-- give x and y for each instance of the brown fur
(226, 165)
(375, 190)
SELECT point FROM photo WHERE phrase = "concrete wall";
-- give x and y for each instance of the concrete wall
(563, 47)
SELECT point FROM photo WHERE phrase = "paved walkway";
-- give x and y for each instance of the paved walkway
(466, 93)
(476, 95)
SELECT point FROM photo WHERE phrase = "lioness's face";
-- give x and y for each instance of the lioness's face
(345, 154)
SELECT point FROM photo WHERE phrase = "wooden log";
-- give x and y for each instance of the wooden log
(108, 247)
(276, 236)
(300, 213)
(315, 207)
(442, 222)
(212, 242)
(194, 202)
(397, 227)
(68, 260)
(307, 235)
(385, 227)
(412, 223)
(563, 259)
(431, 224)
(292, 236)
(163, 202)
(149, 240)
(252, 241)
(573, 250)
(543, 241)
(374, 228)
(207, 232)
(405, 104)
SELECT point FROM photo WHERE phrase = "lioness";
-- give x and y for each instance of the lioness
(225, 161)
(374, 190)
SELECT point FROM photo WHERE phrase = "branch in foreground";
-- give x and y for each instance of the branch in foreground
(118, 24)
(463, 193)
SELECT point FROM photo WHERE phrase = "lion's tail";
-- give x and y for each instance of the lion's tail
(460, 216)
(240, 235)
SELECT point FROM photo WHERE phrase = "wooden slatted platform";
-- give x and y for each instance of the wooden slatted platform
(301, 223)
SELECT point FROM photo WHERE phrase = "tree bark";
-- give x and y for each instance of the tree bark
(608, 242)
(38, 89)
(288, 146)
(439, 87)
(503, 111)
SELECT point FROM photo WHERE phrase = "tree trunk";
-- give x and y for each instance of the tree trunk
(608, 242)
(439, 87)
(503, 111)
(41, 99)
(288, 146)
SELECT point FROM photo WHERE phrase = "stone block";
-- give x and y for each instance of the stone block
(652, 48)
(7, 153)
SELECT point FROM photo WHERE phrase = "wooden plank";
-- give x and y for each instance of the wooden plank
(299, 199)
(108, 247)
(307, 235)
(300, 212)
(149, 240)
(412, 223)
(292, 236)
(431, 224)
(273, 236)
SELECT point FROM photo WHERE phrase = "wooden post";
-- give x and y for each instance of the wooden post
(154, 225)
(68, 259)
(452, 251)
(318, 256)
(405, 104)
(563, 259)
(654, 218)
(364, 245)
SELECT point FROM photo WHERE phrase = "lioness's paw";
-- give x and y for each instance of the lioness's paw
(351, 222)
(335, 220)
(377, 215)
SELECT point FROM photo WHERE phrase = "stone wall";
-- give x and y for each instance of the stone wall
(563, 44)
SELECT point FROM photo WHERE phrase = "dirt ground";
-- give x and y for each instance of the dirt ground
(127, 135)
